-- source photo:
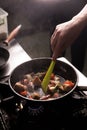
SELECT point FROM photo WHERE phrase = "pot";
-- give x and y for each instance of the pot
(64, 70)
(4, 53)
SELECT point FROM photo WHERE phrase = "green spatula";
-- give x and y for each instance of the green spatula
(46, 79)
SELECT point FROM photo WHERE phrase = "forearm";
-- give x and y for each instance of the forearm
(81, 17)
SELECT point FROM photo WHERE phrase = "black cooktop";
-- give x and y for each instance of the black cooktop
(17, 113)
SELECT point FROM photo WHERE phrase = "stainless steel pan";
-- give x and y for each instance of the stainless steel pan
(62, 69)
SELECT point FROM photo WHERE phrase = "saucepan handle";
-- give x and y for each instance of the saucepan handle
(12, 35)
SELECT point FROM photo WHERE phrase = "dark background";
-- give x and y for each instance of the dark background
(40, 14)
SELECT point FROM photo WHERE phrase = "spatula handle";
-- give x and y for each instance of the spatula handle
(46, 79)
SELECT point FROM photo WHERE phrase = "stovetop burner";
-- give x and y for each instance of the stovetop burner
(16, 113)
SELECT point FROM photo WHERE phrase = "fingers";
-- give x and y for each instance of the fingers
(53, 40)
(55, 43)
(56, 51)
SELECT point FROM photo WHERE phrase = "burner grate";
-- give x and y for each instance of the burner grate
(32, 116)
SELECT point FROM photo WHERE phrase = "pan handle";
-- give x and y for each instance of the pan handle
(82, 88)
(12, 35)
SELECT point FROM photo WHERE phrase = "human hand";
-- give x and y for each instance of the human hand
(64, 35)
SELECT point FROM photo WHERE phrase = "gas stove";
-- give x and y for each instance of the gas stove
(17, 113)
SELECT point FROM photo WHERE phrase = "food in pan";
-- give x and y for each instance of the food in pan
(30, 86)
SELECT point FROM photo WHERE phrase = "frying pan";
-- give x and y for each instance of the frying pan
(4, 53)
(61, 68)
